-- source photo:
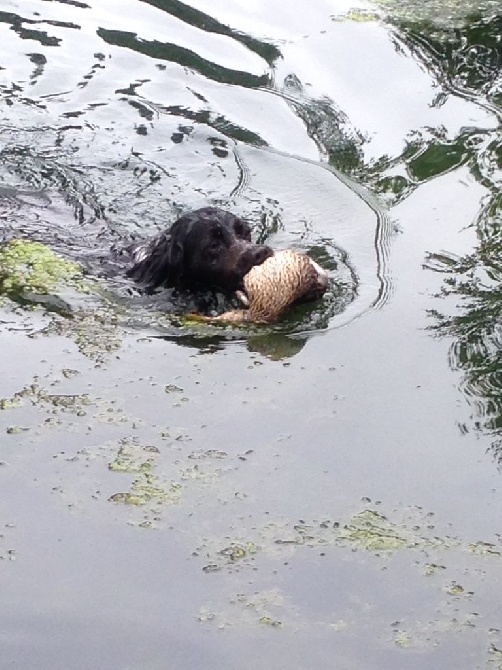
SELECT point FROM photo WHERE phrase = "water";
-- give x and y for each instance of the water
(324, 488)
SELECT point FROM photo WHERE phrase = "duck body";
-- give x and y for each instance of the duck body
(271, 288)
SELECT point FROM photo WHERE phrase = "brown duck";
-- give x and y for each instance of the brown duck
(285, 278)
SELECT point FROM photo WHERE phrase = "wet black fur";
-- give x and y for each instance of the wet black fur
(208, 248)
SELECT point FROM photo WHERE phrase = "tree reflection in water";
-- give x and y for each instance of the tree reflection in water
(467, 62)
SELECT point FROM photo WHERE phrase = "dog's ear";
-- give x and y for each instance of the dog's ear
(158, 262)
(174, 262)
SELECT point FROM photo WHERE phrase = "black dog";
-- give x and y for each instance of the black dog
(205, 249)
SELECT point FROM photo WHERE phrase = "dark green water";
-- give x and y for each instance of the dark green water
(323, 493)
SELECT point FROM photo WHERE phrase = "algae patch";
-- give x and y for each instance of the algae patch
(30, 272)
(127, 461)
(495, 658)
(484, 549)
(37, 396)
(16, 430)
(444, 14)
(373, 532)
(357, 15)
(456, 589)
(6, 553)
(236, 552)
(366, 531)
(79, 307)
(146, 487)
(264, 608)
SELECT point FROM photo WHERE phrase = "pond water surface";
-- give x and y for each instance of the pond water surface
(321, 493)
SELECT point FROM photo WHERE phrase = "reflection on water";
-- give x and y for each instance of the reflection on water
(476, 283)
(194, 17)
(468, 63)
(183, 57)
(465, 63)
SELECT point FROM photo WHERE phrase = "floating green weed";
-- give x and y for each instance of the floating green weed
(30, 268)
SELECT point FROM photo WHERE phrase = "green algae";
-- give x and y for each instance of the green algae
(261, 608)
(443, 14)
(403, 639)
(369, 531)
(237, 551)
(29, 269)
(96, 332)
(455, 589)
(150, 487)
(32, 275)
(147, 489)
(357, 15)
(127, 461)
(269, 621)
(16, 430)
(128, 499)
(433, 569)
(484, 549)
(36, 395)
(495, 657)
(372, 531)
(9, 403)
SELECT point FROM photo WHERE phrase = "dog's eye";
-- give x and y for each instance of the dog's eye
(241, 229)
(217, 238)
(217, 235)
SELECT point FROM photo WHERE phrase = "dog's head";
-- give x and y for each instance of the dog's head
(207, 248)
